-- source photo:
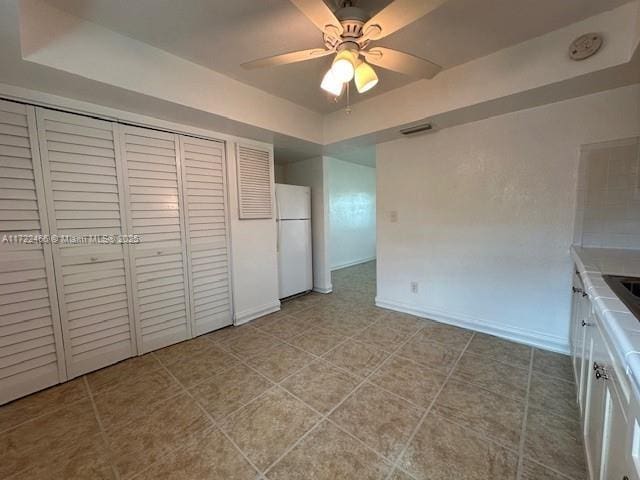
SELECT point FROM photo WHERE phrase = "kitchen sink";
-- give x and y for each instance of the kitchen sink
(627, 289)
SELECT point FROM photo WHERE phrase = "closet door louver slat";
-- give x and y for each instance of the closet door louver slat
(203, 173)
(31, 351)
(83, 183)
(159, 262)
(254, 183)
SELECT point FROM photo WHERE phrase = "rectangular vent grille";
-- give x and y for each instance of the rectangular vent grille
(254, 183)
(426, 127)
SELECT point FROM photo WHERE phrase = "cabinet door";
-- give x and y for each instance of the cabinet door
(159, 261)
(585, 322)
(203, 167)
(595, 404)
(32, 356)
(83, 186)
(618, 463)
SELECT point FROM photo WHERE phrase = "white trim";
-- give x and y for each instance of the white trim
(248, 315)
(534, 339)
(352, 264)
(329, 289)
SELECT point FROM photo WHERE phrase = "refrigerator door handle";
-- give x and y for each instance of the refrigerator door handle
(278, 223)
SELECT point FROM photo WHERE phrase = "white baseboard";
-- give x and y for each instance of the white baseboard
(329, 289)
(352, 264)
(248, 315)
(534, 339)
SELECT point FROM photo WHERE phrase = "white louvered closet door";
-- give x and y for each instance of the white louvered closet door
(203, 167)
(83, 185)
(159, 262)
(31, 351)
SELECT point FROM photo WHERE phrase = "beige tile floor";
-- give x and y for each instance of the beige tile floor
(331, 387)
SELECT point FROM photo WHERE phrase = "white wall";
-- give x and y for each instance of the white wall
(313, 173)
(352, 213)
(485, 216)
(253, 254)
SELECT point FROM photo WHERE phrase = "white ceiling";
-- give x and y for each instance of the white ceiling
(222, 34)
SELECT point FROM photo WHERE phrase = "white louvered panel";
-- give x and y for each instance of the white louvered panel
(203, 167)
(31, 351)
(255, 194)
(83, 183)
(159, 261)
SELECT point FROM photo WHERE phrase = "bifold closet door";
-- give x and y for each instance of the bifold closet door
(84, 190)
(203, 167)
(159, 261)
(31, 351)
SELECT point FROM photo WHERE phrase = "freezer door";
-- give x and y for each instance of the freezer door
(294, 257)
(293, 202)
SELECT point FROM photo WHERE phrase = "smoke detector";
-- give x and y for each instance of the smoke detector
(585, 46)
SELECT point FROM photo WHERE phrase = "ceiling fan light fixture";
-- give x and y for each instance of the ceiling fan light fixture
(365, 77)
(343, 67)
(331, 84)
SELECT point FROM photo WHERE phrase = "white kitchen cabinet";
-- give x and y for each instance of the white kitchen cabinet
(32, 355)
(582, 322)
(595, 401)
(607, 422)
(618, 463)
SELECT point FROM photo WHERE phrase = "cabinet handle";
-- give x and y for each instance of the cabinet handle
(600, 372)
(586, 324)
(576, 290)
(585, 295)
(94, 259)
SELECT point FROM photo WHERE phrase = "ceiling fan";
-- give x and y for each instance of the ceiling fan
(348, 33)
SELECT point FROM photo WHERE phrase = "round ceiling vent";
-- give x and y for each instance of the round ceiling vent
(585, 46)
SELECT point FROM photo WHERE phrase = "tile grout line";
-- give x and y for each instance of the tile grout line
(396, 464)
(523, 429)
(214, 424)
(326, 416)
(103, 432)
(37, 417)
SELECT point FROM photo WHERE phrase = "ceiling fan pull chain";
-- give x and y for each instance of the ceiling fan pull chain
(348, 108)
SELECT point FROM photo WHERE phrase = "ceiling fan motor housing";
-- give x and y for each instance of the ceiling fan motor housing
(352, 20)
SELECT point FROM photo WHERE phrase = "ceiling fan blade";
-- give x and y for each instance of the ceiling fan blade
(402, 62)
(321, 15)
(292, 57)
(397, 15)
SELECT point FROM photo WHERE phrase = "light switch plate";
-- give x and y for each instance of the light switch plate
(393, 216)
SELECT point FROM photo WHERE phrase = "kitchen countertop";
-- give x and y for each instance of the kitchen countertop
(620, 326)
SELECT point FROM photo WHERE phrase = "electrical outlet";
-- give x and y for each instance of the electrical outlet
(414, 287)
(393, 216)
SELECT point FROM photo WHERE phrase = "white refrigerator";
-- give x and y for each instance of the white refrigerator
(293, 205)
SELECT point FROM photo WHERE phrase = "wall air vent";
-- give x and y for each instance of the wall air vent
(254, 182)
(425, 127)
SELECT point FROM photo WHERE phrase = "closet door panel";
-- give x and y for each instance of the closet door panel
(159, 261)
(31, 351)
(83, 183)
(207, 231)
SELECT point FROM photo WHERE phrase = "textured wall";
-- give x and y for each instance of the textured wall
(352, 213)
(484, 215)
